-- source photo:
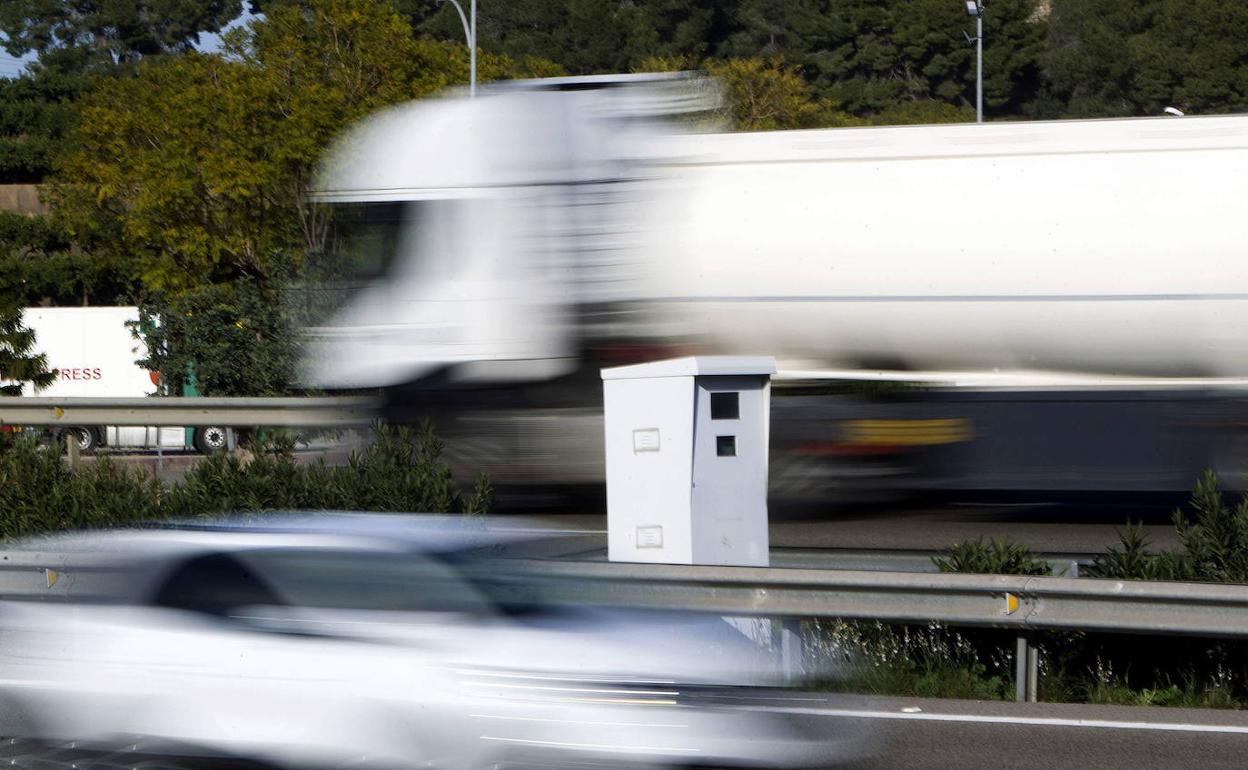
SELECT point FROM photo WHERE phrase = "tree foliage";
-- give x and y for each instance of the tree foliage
(19, 363)
(196, 168)
(864, 54)
(71, 34)
(40, 265)
(1136, 57)
(171, 172)
(234, 339)
(35, 115)
(761, 94)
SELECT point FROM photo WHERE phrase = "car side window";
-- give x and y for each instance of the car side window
(216, 584)
(367, 581)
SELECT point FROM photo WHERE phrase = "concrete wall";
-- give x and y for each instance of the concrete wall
(21, 199)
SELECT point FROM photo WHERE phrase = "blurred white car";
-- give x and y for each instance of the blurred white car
(342, 641)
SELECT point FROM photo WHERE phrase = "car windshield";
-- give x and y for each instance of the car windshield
(367, 581)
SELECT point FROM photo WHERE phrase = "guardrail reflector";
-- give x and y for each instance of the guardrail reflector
(51, 575)
(1011, 604)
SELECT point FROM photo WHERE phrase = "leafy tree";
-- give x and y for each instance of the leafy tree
(173, 170)
(923, 111)
(73, 34)
(330, 64)
(234, 338)
(34, 117)
(761, 94)
(871, 55)
(39, 265)
(584, 36)
(19, 364)
(767, 94)
(196, 168)
(1126, 57)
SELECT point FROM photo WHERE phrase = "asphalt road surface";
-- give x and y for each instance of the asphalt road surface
(917, 530)
(920, 733)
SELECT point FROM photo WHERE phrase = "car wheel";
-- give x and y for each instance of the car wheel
(212, 438)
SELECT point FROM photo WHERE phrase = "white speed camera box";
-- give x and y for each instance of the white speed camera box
(686, 449)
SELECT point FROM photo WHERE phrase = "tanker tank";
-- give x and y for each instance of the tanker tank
(501, 250)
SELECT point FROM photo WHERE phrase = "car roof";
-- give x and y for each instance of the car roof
(422, 533)
(84, 563)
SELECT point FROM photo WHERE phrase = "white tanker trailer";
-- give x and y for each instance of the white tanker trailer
(515, 243)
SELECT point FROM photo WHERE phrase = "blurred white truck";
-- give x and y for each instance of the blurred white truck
(94, 353)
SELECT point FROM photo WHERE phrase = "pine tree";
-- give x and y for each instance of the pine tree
(18, 363)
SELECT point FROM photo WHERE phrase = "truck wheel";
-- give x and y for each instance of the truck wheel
(86, 438)
(211, 438)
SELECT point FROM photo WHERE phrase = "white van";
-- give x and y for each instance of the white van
(94, 352)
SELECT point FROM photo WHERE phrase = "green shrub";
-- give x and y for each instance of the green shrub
(39, 493)
(401, 471)
(237, 339)
(1108, 668)
(1213, 543)
(998, 556)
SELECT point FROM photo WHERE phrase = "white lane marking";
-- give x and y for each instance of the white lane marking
(526, 531)
(756, 698)
(596, 691)
(1103, 724)
(593, 746)
(576, 721)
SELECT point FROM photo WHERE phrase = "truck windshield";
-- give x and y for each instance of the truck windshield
(365, 239)
(364, 245)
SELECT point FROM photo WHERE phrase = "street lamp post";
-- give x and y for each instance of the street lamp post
(975, 8)
(470, 32)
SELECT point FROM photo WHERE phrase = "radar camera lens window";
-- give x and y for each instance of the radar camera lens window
(726, 446)
(725, 406)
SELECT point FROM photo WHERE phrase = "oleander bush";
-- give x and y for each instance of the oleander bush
(998, 556)
(1131, 669)
(39, 492)
(402, 470)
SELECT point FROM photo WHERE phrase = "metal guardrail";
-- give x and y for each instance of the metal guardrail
(177, 412)
(1024, 605)
(998, 601)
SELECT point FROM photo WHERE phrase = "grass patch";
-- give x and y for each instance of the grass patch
(924, 661)
(933, 661)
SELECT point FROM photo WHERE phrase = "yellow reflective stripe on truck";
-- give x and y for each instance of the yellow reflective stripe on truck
(907, 432)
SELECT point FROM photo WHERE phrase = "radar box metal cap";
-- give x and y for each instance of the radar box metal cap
(695, 366)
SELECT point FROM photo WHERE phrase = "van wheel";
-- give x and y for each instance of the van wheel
(211, 438)
(85, 438)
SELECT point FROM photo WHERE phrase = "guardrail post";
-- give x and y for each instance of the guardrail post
(1026, 669)
(792, 649)
(71, 448)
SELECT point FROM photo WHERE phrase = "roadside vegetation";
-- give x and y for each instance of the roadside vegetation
(402, 470)
(173, 174)
(935, 661)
